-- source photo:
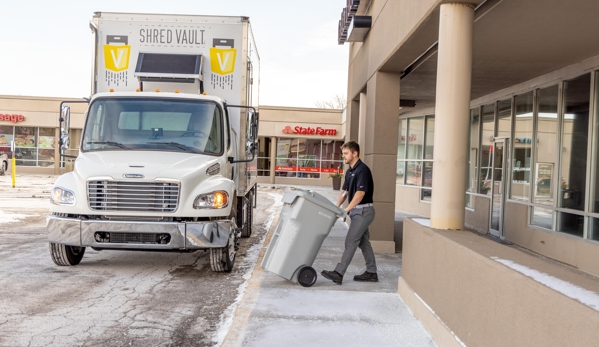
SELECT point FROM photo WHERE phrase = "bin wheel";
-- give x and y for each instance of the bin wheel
(306, 276)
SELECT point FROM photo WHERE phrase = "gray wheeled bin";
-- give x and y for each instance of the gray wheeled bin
(305, 221)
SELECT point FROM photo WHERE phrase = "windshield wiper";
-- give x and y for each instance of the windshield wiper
(110, 143)
(178, 145)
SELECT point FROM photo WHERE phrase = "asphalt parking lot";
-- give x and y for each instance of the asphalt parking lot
(113, 298)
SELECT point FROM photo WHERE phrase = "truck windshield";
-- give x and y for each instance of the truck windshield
(154, 124)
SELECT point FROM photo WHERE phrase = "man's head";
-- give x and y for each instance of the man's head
(351, 152)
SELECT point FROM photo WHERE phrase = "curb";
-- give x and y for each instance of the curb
(244, 310)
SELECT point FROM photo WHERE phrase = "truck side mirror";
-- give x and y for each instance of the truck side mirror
(253, 120)
(65, 120)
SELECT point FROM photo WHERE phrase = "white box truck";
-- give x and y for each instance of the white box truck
(167, 154)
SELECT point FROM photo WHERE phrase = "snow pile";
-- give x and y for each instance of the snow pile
(7, 217)
(586, 297)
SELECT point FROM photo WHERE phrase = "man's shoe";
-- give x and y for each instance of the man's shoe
(333, 276)
(367, 277)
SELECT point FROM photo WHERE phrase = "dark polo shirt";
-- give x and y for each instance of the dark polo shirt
(357, 178)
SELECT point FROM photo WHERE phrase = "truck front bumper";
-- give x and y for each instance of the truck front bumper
(138, 235)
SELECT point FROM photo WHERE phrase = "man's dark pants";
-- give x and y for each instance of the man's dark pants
(358, 236)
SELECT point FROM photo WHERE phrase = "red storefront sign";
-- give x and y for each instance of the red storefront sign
(13, 118)
(310, 131)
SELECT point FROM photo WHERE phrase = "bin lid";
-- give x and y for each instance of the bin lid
(293, 193)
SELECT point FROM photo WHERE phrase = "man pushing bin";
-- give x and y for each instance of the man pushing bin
(358, 186)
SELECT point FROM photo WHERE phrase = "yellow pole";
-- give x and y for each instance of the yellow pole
(14, 170)
(13, 166)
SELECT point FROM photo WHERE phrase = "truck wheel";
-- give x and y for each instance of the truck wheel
(64, 255)
(247, 223)
(222, 259)
(3, 168)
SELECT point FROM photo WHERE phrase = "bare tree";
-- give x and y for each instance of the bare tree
(337, 102)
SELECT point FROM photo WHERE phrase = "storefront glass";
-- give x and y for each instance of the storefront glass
(6, 136)
(415, 154)
(401, 152)
(308, 158)
(264, 156)
(488, 120)
(522, 147)
(473, 154)
(575, 129)
(415, 137)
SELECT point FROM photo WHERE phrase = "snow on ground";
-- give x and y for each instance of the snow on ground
(8, 217)
(586, 297)
(226, 318)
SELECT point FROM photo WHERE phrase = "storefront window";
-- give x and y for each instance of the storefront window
(46, 145)
(545, 151)
(522, 147)
(414, 173)
(308, 158)
(401, 152)
(263, 156)
(504, 118)
(415, 154)
(488, 120)
(542, 217)
(415, 137)
(473, 154)
(575, 127)
(6, 136)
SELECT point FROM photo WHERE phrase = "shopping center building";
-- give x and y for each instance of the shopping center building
(297, 146)
(481, 117)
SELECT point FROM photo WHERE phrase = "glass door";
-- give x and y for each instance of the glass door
(498, 185)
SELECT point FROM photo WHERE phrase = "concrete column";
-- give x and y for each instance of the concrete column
(452, 109)
(352, 120)
(273, 158)
(363, 117)
(379, 152)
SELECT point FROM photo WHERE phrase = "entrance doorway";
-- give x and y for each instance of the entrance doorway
(498, 185)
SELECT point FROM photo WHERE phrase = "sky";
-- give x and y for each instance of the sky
(46, 46)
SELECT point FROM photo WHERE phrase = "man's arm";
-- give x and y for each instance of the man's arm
(356, 200)
(341, 198)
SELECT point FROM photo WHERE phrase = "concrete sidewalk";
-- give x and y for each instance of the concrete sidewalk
(275, 312)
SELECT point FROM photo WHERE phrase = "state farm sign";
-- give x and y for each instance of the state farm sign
(13, 118)
(309, 131)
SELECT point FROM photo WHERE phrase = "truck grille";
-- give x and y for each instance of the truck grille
(133, 196)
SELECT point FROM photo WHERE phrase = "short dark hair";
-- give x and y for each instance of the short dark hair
(352, 146)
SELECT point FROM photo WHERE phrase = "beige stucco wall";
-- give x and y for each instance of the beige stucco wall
(559, 246)
(477, 217)
(485, 303)
(407, 199)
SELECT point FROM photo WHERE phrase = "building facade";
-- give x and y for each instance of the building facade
(481, 117)
(297, 146)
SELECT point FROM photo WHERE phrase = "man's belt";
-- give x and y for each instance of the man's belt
(364, 205)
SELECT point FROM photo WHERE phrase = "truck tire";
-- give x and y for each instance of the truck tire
(64, 255)
(222, 259)
(246, 231)
(3, 168)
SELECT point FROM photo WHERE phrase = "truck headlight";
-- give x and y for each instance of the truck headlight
(61, 196)
(218, 199)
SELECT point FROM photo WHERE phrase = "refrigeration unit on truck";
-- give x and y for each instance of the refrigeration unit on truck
(167, 154)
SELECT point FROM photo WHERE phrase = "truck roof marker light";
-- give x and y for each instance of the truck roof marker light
(204, 93)
(111, 90)
(157, 90)
(138, 90)
(176, 90)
